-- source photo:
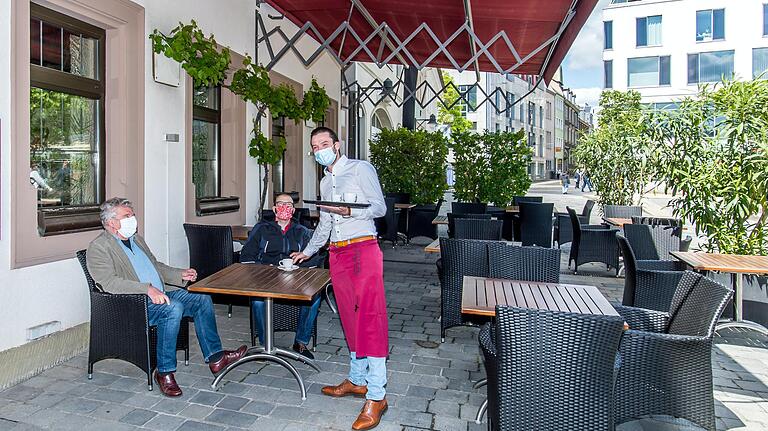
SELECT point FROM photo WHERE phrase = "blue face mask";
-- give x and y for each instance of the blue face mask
(326, 156)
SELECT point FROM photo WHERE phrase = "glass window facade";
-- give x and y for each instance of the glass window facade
(608, 73)
(710, 25)
(648, 71)
(608, 35)
(648, 31)
(710, 66)
(760, 63)
(206, 137)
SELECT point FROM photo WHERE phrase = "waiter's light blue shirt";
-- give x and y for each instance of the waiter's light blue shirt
(143, 267)
(348, 176)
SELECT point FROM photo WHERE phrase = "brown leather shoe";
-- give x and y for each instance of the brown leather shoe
(345, 388)
(228, 357)
(168, 385)
(370, 415)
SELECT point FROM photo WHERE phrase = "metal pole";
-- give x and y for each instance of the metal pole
(269, 330)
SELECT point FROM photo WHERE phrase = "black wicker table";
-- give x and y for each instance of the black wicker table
(267, 283)
(481, 295)
(736, 264)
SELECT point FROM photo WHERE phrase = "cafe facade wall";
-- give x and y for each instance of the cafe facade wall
(56, 292)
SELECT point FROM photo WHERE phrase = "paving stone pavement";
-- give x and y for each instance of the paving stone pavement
(428, 388)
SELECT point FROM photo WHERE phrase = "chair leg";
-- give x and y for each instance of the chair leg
(149, 380)
(229, 311)
(90, 370)
(186, 355)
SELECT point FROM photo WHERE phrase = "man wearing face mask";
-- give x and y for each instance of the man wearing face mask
(356, 266)
(272, 241)
(120, 261)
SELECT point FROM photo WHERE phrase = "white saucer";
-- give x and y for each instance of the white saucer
(294, 267)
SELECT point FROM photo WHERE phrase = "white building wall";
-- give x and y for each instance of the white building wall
(743, 31)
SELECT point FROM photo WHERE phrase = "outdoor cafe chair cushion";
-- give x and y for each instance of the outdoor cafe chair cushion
(666, 358)
(477, 229)
(119, 328)
(555, 370)
(536, 223)
(649, 284)
(523, 263)
(592, 243)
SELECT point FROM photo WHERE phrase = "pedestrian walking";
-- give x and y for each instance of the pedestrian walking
(565, 181)
(586, 182)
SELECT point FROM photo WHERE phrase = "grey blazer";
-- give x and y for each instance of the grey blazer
(110, 267)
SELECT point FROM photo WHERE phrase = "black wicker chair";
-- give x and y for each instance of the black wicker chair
(500, 213)
(211, 250)
(555, 370)
(654, 242)
(622, 211)
(459, 257)
(465, 228)
(536, 223)
(487, 338)
(452, 220)
(535, 199)
(387, 226)
(120, 328)
(523, 263)
(468, 207)
(420, 221)
(400, 198)
(592, 243)
(649, 284)
(663, 221)
(666, 358)
(562, 230)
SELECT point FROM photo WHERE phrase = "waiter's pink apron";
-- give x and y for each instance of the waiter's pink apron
(357, 273)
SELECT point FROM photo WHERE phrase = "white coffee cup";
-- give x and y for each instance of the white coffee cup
(286, 263)
(350, 197)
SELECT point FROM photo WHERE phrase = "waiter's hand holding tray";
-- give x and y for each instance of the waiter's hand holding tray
(337, 204)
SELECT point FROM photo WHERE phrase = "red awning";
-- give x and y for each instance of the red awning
(529, 25)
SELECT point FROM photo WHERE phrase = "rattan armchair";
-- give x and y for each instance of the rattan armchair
(622, 211)
(120, 328)
(523, 263)
(466, 228)
(420, 220)
(468, 207)
(592, 243)
(654, 242)
(211, 250)
(452, 220)
(459, 257)
(387, 226)
(562, 231)
(648, 284)
(666, 358)
(555, 370)
(536, 223)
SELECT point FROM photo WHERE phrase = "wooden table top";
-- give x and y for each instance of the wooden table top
(264, 281)
(240, 232)
(738, 263)
(440, 220)
(480, 296)
(617, 221)
(405, 206)
(433, 247)
(513, 209)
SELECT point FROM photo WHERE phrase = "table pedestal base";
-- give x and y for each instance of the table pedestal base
(270, 353)
(738, 310)
(744, 324)
(483, 407)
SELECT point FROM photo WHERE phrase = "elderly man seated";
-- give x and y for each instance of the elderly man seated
(121, 262)
(268, 244)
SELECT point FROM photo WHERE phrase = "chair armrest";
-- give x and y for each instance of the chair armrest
(661, 265)
(597, 227)
(685, 244)
(643, 320)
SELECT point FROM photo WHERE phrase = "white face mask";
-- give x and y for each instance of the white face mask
(128, 226)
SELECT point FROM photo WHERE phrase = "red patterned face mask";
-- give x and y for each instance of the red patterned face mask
(284, 212)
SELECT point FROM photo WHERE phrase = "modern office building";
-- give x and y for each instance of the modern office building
(665, 49)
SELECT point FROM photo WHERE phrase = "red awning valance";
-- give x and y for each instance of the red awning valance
(421, 31)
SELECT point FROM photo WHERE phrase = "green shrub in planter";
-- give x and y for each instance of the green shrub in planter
(490, 167)
(411, 161)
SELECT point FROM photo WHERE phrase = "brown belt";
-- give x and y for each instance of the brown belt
(347, 242)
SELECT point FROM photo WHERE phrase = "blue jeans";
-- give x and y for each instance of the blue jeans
(369, 371)
(304, 327)
(167, 318)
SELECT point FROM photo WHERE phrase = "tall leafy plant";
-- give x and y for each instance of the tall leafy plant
(411, 161)
(617, 153)
(209, 65)
(491, 167)
(713, 154)
(449, 110)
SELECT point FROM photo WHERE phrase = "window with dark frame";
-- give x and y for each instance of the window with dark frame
(206, 141)
(278, 169)
(710, 66)
(608, 74)
(67, 136)
(710, 25)
(607, 34)
(765, 19)
(648, 31)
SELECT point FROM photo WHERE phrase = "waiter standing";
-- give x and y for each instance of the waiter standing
(356, 266)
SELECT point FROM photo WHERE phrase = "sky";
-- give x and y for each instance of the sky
(583, 66)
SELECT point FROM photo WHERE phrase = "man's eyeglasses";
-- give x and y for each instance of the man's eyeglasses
(284, 204)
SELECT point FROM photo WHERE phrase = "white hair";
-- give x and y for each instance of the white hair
(110, 206)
